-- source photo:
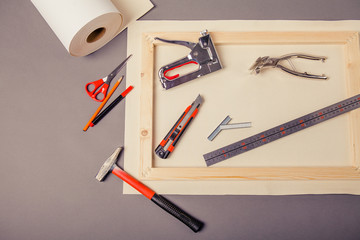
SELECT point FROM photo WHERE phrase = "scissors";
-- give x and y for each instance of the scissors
(97, 90)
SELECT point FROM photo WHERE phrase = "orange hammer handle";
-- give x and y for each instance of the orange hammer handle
(144, 190)
(162, 202)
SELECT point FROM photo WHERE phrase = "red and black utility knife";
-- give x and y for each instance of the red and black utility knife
(167, 145)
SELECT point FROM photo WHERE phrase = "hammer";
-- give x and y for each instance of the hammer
(110, 166)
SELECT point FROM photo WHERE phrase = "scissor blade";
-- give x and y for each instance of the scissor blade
(117, 69)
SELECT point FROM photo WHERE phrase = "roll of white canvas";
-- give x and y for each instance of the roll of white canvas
(83, 26)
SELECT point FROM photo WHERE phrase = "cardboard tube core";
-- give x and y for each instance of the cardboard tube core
(96, 35)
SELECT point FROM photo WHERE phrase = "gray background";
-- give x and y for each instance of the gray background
(48, 164)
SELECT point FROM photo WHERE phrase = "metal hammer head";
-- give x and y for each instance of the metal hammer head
(108, 165)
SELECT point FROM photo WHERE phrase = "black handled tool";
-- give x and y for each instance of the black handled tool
(167, 145)
(111, 106)
(110, 166)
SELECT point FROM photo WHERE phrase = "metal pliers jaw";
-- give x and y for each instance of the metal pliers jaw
(202, 53)
(267, 62)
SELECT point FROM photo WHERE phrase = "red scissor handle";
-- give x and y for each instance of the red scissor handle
(99, 92)
(178, 66)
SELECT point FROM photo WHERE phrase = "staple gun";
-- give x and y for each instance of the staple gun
(202, 53)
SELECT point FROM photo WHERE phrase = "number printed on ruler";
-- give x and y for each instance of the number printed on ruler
(282, 130)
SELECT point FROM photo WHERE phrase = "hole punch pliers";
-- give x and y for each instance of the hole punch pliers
(267, 62)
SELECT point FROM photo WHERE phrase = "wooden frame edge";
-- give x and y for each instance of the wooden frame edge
(255, 173)
(147, 171)
(352, 55)
(146, 105)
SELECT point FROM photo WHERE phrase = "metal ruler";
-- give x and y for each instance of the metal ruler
(282, 130)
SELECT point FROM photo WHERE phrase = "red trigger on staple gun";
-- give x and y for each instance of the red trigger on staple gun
(176, 75)
(202, 53)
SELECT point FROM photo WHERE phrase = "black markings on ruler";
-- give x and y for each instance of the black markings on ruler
(282, 130)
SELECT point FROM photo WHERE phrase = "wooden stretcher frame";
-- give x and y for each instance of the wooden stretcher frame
(147, 169)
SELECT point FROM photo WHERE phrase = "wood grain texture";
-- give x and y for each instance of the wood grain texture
(352, 55)
(148, 171)
(252, 173)
(146, 106)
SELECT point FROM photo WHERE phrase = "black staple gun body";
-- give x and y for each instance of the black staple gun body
(202, 53)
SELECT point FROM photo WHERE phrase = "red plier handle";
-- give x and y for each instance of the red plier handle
(97, 90)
